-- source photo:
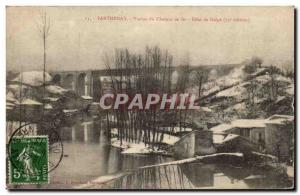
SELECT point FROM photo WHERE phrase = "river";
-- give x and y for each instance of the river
(88, 157)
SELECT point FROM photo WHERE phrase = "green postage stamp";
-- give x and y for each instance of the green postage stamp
(28, 160)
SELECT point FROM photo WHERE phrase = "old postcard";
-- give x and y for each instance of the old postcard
(150, 98)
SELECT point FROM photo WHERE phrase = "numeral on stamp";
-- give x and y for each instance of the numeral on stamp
(29, 160)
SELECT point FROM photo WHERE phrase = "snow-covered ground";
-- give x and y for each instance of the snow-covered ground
(134, 148)
(142, 148)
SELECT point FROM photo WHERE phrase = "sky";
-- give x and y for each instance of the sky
(78, 39)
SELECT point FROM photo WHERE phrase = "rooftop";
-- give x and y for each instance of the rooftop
(252, 123)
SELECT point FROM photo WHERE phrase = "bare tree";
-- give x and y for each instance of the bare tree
(252, 65)
(44, 29)
(199, 78)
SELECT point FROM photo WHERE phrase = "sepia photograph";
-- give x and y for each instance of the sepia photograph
(150, 98)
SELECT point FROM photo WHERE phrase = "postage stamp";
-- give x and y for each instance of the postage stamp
(29, 160)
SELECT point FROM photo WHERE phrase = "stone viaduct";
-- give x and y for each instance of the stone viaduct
(90, 82)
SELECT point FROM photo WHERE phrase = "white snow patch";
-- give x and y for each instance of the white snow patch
(279, 119)
(15, 88)
(290, 89)
(170, 139)
(48, 106)
(183, 129)
(218, 138)
(55, 89)
(86, 97)
(263, 79)
(222, 138)
(134, 148)
(279, 98)
(283, 79)
(51, 99)
(230, 137)
(248, 123)
(239, 106)
(240, 123)
(206, 109)
(232, 91)
(28, 102)
(70, 110)
(290, 171)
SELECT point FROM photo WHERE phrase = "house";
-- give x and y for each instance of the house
(279, 136)
(273, 135)
(253, 129)
(194, 143)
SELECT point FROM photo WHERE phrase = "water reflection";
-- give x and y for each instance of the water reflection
(199, 176)
(88, 155)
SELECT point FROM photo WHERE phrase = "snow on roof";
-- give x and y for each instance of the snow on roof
(15, 88)
(279, 119)
(253, 123)
(55, 89)
(29, 102)
(9, 104)
(52, 99)
(33, 78)
(218, 138)
(10, 97)
(248, 123)
(239, 123)
(222, 138)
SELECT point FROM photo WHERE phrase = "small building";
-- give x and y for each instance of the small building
(28, 109)
(253, 129)
(194, 143)
(273, 135)
(279, 136)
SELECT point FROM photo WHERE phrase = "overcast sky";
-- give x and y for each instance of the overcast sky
(76, 43)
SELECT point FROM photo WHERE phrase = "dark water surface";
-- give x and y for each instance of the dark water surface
(88, 156)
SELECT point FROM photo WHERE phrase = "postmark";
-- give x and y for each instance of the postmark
(53, 154)
(29, 160)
